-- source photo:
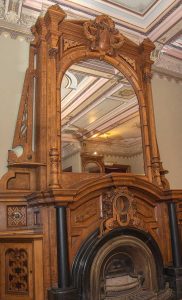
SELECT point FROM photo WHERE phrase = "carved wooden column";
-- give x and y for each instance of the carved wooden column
(39, 31)
(147, 46)
(146, 140)
(53, 17)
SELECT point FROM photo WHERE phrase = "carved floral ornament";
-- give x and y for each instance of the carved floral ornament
(16, 271)
(103, 35)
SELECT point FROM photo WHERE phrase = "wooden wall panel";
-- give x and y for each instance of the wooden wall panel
(16, 271)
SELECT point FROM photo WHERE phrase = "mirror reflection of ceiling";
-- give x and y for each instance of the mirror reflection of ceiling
(99, 110)
(159, 20)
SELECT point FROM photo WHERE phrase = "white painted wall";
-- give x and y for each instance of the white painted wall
(167, 105)
(73, 161)
(136, 162)
(13, 64)
(167, 96)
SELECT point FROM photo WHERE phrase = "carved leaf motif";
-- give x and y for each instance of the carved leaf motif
(16, 271)
(107, 207)
(70, 44)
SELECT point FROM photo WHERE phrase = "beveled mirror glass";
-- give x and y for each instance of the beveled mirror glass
(100, 120)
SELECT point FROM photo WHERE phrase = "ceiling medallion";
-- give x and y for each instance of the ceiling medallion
(126, 93)
(103, 35)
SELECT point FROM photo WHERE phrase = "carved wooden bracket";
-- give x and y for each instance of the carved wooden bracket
(164, 181)
(103, 35)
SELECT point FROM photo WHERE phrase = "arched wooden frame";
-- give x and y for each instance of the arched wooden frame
(85, 165)
(97, 160)
(81, 53)
(140, 81)
(58, 44)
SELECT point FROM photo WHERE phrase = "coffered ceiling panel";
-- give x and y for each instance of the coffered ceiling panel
(177, 43)
(139, 6)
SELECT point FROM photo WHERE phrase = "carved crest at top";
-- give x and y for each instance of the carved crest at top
(103, 35)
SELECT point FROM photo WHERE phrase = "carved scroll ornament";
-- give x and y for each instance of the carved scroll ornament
(103, 35)
(121, 211)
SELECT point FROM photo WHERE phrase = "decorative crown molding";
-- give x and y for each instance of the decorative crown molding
(168, 67)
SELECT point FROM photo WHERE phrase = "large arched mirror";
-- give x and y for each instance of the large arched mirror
(100, 120)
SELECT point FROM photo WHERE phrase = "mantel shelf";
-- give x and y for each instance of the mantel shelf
(26, 164)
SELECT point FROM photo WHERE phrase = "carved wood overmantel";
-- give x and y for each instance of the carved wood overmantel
(59, 43)
(35, 187)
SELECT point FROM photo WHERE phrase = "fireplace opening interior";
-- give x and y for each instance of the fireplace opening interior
(124, 268)
(119, 275)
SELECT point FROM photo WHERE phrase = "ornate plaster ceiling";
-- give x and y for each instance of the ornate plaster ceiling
(160, 20)
(138, 7)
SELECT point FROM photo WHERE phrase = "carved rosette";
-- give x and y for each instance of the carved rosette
(147, 76)
(53, 52)
(119, 209)
(103, 36)
(16, 215)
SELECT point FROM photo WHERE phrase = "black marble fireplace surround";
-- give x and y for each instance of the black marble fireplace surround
(125, 253)
(83, 264)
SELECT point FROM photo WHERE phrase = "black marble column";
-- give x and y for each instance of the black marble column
(174, 273)
(176, 251)
(64, 291)
(62, 248)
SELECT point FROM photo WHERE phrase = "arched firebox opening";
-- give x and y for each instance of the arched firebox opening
(122, 263)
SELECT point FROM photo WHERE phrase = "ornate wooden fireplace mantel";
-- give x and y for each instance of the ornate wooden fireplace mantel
(54, 225)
